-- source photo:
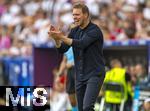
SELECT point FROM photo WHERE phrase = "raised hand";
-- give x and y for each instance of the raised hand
(52, 28)
(55, 33)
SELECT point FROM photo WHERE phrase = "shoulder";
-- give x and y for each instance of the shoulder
(93, 28)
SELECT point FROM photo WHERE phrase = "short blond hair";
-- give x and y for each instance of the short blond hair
(115, 62)
(82, 6)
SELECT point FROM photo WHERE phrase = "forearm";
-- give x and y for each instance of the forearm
(62, 66)
(57, 43)
(79, 43)
(67, 40)
(63, 47)
(62, 43)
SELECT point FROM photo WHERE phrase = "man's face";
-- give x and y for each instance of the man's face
(79, 17)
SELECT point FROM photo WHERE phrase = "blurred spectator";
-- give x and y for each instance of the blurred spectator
(118, 75)
(129, 29)
(132, 72)
(146, 105)
(31, 7)
(5, 41)
(15, 48)
(2, 7)
(26, 50)
(59, 100)
(140, 72)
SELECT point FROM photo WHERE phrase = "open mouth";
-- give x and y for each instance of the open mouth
(76, 22)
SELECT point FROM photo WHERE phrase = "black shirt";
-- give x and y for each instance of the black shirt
(88, 51)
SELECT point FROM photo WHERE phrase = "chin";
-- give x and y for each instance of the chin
(77, 24)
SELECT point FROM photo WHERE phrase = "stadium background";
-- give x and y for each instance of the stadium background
(28, 56)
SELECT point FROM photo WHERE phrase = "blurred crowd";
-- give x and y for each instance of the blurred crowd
(25, 23)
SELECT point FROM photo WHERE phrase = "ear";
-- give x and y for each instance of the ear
(86, 15)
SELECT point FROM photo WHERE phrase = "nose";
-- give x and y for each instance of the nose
(74, 17)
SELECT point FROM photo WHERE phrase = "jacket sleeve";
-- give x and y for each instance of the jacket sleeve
(64, 47)
(88, 38)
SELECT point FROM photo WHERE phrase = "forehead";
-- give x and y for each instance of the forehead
(77, 10)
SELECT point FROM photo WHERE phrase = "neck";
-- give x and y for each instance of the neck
(85, 24)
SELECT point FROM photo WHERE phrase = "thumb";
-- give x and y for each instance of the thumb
(58, 28)
(52, 28)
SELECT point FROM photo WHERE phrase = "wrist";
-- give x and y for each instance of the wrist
(66, 40)
(57, 43)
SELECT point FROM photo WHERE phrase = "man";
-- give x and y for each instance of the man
(68, 63)
(87, 42)
(118, 75)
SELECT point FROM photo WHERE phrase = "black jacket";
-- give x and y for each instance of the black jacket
(88, 51)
